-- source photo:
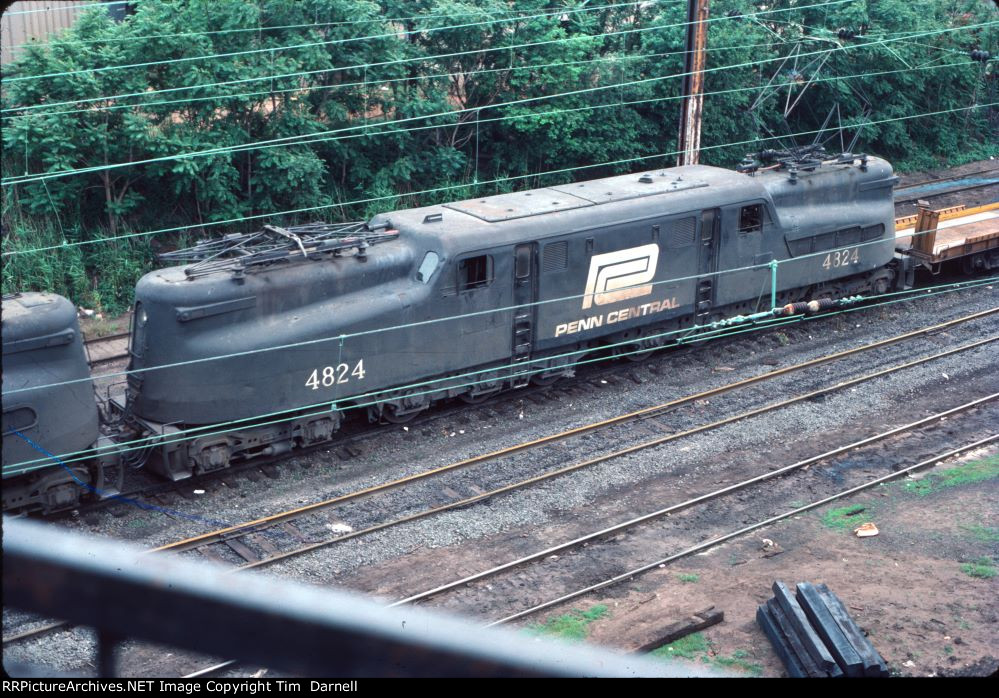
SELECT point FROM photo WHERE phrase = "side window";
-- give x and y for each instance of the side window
(427, 267)
(139, 319)
(475, 272)
(751, 219)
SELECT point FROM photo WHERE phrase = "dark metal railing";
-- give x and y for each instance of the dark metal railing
(125, 593)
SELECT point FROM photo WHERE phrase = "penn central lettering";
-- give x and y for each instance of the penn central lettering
(595, 321)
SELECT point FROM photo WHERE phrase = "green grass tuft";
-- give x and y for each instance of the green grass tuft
(845, 518)
(689, 647)
(688, 577)
(573, 625)
(964, 474)
(737, 661)
(696, 646)
(986, 534)
(982, 568)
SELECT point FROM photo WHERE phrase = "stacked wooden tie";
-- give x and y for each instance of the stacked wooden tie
(815, 636)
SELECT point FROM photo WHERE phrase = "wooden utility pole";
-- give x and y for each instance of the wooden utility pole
(689, 142)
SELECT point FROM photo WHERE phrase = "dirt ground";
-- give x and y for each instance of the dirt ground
(908, 588)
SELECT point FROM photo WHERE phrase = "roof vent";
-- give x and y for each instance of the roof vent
(645, 178)
(433, 218)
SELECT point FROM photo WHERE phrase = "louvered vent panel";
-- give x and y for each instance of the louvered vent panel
(556, 256)
(681, 233)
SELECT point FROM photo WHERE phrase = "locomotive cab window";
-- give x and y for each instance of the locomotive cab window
(427, 267)
(475, 272)
(751, 219)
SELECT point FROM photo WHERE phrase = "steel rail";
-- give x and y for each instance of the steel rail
(254, 526)
(949, 178)
(106, 338)
(700, 499)
(752, 527)
(908, 198)
(605, 457)
(257, 524)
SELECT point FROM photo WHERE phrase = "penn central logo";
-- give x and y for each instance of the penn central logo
(620, 276)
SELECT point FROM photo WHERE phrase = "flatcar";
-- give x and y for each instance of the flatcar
(258, 343)
(49, 408)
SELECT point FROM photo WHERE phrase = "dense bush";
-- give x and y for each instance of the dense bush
(496, 122)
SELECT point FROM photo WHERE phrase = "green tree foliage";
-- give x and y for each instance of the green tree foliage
(377, 100)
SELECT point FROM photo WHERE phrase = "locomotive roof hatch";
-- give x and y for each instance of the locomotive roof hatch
(566, 197)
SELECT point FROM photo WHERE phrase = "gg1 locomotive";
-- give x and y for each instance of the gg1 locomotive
(42, 345)
(258, 343)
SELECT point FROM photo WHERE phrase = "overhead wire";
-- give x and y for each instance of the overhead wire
(399, 61)
(335, 42)
(327, 406)
(642, 158)
(307, 89)
(321, 136)
(436, 190)
(343, 337)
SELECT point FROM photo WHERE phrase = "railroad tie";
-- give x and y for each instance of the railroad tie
(814, 635)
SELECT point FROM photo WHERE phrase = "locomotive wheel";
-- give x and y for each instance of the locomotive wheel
(880, 283)
(640, 356)
(544, 381)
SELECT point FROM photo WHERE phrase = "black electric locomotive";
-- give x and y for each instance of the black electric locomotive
(49, 409)
(261, 341)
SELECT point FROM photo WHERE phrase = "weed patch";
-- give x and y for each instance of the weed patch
(738, 662)
(964, 474)
(573, 625)
(982, 568)
(698, 647)
(985, 534)
(845, 518)
(689, 647)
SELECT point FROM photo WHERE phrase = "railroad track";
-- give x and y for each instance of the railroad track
(591, 379)
(355, 432)
(716, 540)
(347, 446)
(104, 350)
(274, 538)
(351, 442)
(608, 533)
(245, 553)
(927, 188)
